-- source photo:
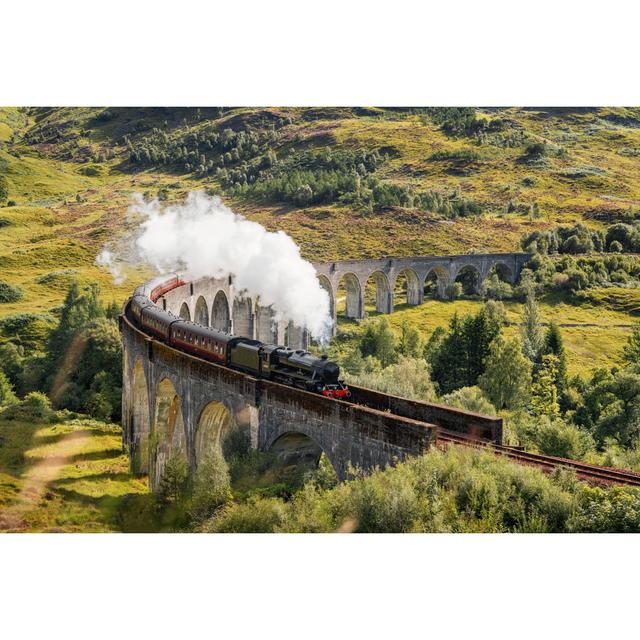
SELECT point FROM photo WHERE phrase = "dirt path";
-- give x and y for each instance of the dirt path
(37, 479)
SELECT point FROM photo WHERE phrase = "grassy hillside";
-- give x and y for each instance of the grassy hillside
(589, 169)
(63, 477)
(594, 336)
(71, 172)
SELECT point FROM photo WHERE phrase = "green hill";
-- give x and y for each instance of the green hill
(344, 182)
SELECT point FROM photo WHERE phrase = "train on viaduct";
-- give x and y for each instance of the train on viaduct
(176, 403)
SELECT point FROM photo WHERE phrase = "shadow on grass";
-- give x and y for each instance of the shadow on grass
(41, 440)
(103, 454)
(129, 513)
(91, 456)
(117, 476)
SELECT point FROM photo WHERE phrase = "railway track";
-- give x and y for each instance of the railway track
(587, 472)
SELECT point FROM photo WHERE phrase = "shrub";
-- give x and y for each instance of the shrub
(9, 292)
(35, 407)
(459, 490)
(469, 399)
(536, 150)
(577, 244)
(560, 439)
(409, 378)
(311, 510)
(454, 291)
(410, 343)
(211, 488)
(28, 329)
(386, 502)
(63, 276)
(11, 364)
(7, 395)
(614, 510)
(628, 236)
(258, 515)
(92, 170)
(496, 289)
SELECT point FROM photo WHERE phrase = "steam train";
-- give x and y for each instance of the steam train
(297, 368)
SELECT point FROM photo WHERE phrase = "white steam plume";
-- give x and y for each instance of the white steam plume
(206, 238)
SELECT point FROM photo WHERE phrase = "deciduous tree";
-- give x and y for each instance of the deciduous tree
(507, 377)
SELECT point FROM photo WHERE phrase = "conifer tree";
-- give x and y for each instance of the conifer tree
(544, 393)
(554, 345)
(379, 341)
(450, 362)
(532, 335)
(479, 331)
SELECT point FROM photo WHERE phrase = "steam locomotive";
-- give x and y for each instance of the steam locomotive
(297, 368)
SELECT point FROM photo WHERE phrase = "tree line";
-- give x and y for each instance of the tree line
(339, 177)
(579, 239)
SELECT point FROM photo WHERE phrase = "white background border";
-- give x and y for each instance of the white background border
(321, 53)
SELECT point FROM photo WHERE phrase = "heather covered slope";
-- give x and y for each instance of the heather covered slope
(520, 169)
(344, 182)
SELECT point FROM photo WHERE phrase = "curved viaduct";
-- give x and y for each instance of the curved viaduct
(216, 302)
(177, 404)
(391, 276)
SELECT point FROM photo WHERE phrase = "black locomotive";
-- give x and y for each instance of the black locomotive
(296, 368)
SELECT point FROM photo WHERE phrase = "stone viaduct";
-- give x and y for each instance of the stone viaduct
(216, 302)
(410, 277)
(175, 403)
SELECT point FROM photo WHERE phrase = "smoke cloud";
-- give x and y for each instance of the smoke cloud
(206, 238)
